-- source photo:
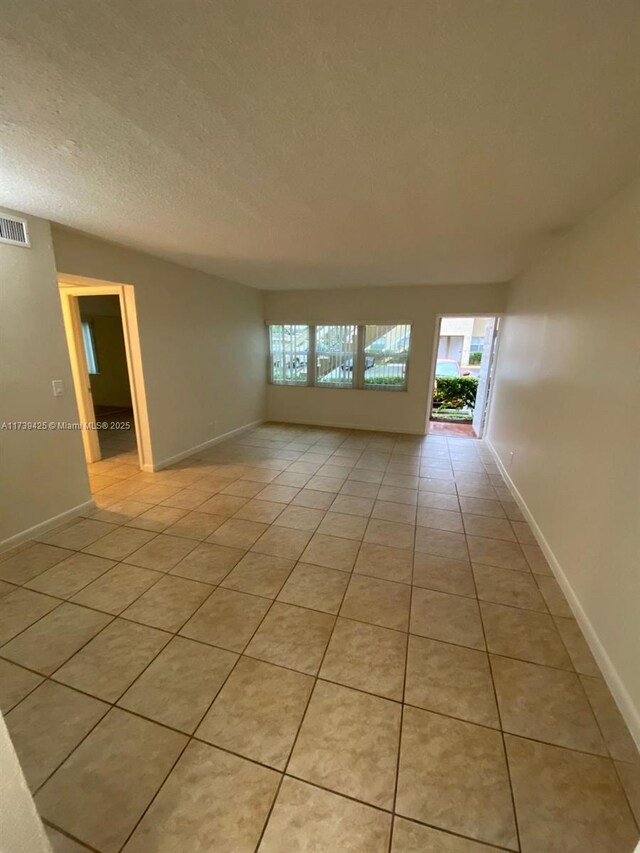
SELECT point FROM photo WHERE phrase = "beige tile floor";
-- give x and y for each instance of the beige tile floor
(308, 640)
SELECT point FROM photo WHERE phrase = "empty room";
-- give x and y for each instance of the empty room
(319, 459)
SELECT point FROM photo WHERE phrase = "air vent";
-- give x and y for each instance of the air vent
(13, 231)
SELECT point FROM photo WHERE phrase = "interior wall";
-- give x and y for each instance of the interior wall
(20, 826)
(202, 341)
(397, 411)
(110, 385)
(567, 404)
(43, 470)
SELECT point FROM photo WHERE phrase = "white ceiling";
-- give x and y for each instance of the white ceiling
(321, 143)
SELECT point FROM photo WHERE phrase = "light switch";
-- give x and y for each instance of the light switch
(58, 387)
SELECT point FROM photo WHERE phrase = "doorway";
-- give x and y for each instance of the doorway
(102, 336)
(464, 357)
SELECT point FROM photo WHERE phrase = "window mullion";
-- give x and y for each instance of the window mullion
(311, 357)
(359, 358)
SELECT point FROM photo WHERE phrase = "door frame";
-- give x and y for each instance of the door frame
(434, 357)
(71, 287)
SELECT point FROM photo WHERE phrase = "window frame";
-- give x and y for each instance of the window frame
(310, 349)
(358, 373)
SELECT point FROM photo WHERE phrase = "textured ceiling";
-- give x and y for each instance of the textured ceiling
(321, 143)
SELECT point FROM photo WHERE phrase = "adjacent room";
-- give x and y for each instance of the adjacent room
(315, 535)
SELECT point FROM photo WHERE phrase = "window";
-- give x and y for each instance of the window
(289, 347)
(372, 358)
(89, 347)
(335, 355)
(386, 352)
(477, 344)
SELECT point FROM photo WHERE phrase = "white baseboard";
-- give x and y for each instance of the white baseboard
(624, 701)
(45, 526)
(171, 460)
(333, 425)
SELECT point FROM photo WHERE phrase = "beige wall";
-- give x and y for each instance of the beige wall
(43, 471)
(567, 403)
(202, 341)
(110, 385)
(383, 410)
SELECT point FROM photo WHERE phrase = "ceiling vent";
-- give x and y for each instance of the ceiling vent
(14, 231)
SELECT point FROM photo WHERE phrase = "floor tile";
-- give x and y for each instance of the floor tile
(292, 637)
(242, 489)
(156, 494)
(62, 843)
(379, 561)
(263, 511)
(22, 608)
(343, 525)
(504, 586)
(352, 504)
(450, 680)
(79, 534)
(437, 500)
(227, 619)
(71, 575)
(398, 494)
(190, 498)
(494, 552)
(367, 658)
(451, 618)
(567, 802)
(288, 478)
(277, 494)
(390, 511)
(111, 662)
(282, 542)
(453, 775)
(443, 574)
(226, 505)
(349, 743)
(332, 552)
(119, 544)
(440, 519)
(545, 704)
(258, 711)
(482, 506)
(577, 647)
(390, 533)
(325, 484)
(306, 819)
(630, 777)
(492, 528)
(523, 634)
(157, 518)
(300, 518)
(113, 591)
(15, 684)
(616, 734)
(536, 559)
(208, 563)
(212, 801)
(103, 788)
(441, 543)
(121, 511)
(48, 643)
(196, 525)
(315, 587)
(237, 533)
(259, 574)
(179, 685)
(377, 601)
(169, 603)
(553, 596)
(47, 726)
(313, 499)
(432, 484)
(161, 553)
(411, 837)
(30, 562)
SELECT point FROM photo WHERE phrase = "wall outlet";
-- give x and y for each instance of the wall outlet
(58, 387)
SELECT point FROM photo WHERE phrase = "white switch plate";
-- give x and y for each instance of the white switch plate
(58, 387)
